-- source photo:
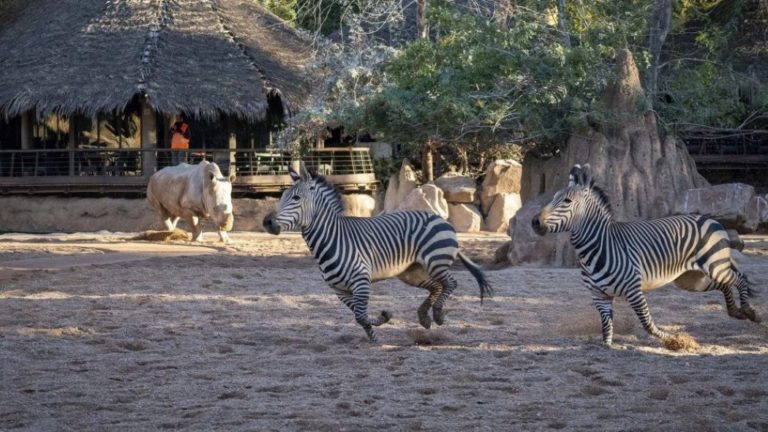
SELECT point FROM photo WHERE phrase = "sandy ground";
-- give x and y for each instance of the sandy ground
(247, 337)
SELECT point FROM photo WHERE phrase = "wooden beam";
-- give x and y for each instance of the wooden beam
(148, 137)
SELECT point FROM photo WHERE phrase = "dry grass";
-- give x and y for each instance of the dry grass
(680, 342)
(176, 234)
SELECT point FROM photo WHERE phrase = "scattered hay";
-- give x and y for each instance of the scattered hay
(176, 234)
(680, 342)
(427, 337)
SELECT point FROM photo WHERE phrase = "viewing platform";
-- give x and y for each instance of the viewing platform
(110, 170)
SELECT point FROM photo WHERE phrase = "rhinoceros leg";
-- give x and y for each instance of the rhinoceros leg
(197, 230)
(170, 222)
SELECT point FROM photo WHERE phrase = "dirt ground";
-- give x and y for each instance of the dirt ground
(101, 333)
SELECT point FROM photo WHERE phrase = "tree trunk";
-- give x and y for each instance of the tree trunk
(659, 23)
(503, 10)
(563, 23)
(428, 161)
(421, 19)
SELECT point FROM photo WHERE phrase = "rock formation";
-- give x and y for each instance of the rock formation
(400, 185)
(641, 173)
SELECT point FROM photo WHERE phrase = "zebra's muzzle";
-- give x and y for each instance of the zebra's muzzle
(270, 225)
(537, 226)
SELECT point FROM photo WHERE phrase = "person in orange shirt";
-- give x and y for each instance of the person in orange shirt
(180, 135)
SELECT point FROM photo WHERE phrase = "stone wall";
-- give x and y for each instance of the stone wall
(35, 214)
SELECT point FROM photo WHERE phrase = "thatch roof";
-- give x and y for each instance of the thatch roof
(202, 57)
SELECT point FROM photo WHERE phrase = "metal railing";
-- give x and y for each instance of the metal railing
(131, 162)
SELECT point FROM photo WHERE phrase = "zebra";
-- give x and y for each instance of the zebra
(626, 259)
(352, 252)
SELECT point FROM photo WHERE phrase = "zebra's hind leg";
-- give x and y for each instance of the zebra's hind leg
(435, 290)
(732, 278)
(637, 301)
(604, 306)
(745, 292)
(449, 284)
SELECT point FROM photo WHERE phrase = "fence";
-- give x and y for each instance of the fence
(256, 170)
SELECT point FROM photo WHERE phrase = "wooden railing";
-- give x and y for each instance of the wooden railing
(256, 170)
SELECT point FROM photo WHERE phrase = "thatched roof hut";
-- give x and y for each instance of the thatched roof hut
(202, 57)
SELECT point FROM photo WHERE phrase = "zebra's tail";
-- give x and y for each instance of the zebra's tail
(485, 288)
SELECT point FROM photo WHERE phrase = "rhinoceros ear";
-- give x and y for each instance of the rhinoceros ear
(294, 175)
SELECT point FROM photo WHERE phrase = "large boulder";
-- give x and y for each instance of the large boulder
(465, 217)
(502, 210)
(359, 205)
(427, 197)
(529, 248)
(733, 204)
(400, 186)
(457, 188)
(501, 176)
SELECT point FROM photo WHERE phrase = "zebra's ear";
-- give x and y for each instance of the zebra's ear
(586, 175)
(575, 176)
(294, 175)
(305, 175)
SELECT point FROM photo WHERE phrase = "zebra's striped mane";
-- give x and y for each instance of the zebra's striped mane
(330, 195)
(602, 197)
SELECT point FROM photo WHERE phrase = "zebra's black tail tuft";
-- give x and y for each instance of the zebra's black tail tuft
(485, 288)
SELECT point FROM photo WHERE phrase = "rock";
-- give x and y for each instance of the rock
(359, 205)
(400, 185)
(500, 256)
(529, 248)
(427, 197)
(501, 176)
(503, 208)
(732, 204)
(465, 217)
(457, 188)
(758, 209)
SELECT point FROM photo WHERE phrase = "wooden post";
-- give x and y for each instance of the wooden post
(72, 143)
(232, 145)
(27, 122)
(148, 137)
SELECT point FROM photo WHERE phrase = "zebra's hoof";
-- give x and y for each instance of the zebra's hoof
(425, 321)
(439, 316)
(750, 314)
(738, 314)
(385, 316)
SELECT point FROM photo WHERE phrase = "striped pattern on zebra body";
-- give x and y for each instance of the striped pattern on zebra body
(626, 259)
(353, 252)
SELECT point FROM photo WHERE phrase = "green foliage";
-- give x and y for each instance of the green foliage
(477, 88)
(285, 9)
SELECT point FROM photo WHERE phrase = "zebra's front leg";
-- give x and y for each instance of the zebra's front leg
(637, 301)
(357, 301)
(604, 306)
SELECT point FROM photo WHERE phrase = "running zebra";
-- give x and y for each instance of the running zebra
(624, 259)
(352, 252)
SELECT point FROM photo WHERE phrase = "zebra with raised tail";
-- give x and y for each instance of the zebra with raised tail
(625, 259)
(352, 252)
